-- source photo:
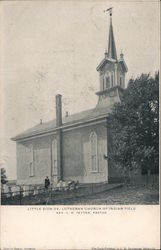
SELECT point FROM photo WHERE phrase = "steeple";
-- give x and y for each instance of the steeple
(111, 42)
(112, 72)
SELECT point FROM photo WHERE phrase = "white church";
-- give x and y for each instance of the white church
(72, 148)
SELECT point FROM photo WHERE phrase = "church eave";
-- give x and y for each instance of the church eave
(102, 63)
(54, 130)
(109, 90)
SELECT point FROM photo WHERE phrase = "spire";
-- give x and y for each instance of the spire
(111, 42)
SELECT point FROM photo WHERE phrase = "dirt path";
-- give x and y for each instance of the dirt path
(126, 195)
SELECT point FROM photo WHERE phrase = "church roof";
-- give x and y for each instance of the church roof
(103, 62)
(71, 120)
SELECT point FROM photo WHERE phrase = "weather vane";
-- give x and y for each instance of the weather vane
(109, 10)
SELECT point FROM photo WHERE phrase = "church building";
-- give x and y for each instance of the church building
(73, 148)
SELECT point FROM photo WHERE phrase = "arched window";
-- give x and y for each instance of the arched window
(112, 79)
(31, 162)
(121, 81)
(54, 157)
(107, 80)
(31, 169)
(93, 152)
(103, 83)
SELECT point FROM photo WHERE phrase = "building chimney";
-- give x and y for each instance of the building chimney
(58, 110)
(59, 175)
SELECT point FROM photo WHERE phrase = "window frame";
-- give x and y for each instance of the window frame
(112, 79)
(31, 170)
(106, 76)
(31, 161)
(93, 155)
(121, 80)
(103, 83)
(54, 145)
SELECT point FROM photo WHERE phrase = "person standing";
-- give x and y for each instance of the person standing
(47, 182)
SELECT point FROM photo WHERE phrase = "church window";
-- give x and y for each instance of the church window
(107, 80)
(31, 163)
(31, 169)
(54, 157)
(121, 80)
(112, 79)
(103, 83)
(93, 152)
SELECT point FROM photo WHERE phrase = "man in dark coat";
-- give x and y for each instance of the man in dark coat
(47, 182)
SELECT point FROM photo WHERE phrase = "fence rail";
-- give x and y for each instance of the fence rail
(32, 192)
(54, 195)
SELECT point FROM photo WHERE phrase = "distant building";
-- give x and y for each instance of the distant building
(73, 147)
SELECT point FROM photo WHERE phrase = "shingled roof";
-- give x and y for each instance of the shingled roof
(84, 116)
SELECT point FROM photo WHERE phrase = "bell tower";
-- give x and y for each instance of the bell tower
(112, 72)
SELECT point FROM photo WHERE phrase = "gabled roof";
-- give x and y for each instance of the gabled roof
(72, 120)
(104, 61)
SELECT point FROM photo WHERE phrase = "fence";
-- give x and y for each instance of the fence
(23, 196)
(52, 195)
(19, 196)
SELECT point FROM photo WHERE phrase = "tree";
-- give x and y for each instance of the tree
(134, 126)
(3, 176)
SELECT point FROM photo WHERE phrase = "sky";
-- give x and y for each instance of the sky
(51, 47)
